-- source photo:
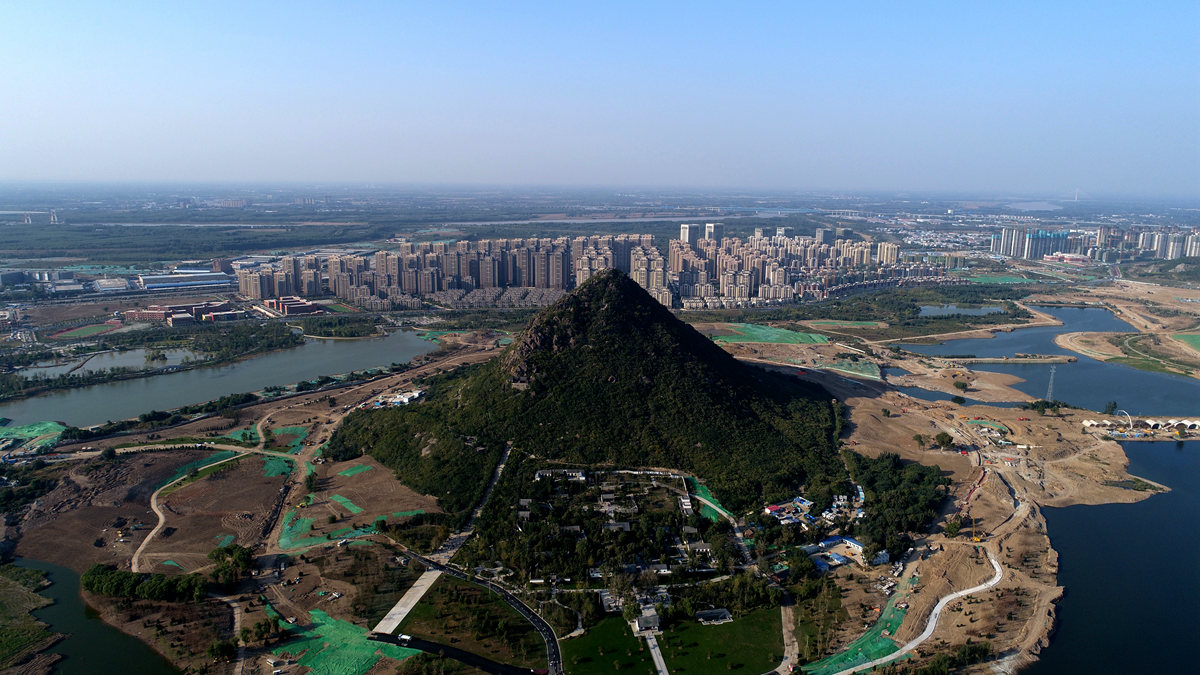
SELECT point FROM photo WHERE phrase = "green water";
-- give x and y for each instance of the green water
(91, 647)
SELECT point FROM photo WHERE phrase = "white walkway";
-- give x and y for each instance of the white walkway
(656, 654)
(411, 597)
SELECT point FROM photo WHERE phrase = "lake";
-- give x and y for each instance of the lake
(100, 403)
(1130, 573)
(133, 358)
(91, 647)
(1087, 382)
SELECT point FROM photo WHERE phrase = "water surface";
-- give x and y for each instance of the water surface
(1130, 571)
(91, 647)
(1087, 383)
(123, 399)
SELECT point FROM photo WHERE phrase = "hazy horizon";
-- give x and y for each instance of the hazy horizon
(1017, 100)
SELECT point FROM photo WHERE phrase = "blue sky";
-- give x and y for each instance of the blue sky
(1004, 97)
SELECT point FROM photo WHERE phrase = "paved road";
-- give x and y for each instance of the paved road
(931, 625)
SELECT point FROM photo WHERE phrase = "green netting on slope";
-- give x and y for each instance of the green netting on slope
(174, 564)
(350, 506)
(276, 466)
(294, 529)
(32, 430)
(332, 647)
(749, 332)
(406, 514)
(351, 533)
(858, 368)
(202, 462)
(243, 435)
(872, 645)
(224, 540)
(355, 470)
(703, 491)
(309, 469)
(300, 434)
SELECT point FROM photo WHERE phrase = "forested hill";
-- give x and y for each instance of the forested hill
(610, 376)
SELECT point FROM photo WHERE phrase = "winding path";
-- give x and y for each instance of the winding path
(931, 625)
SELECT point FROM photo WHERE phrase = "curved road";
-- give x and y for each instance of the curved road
(931, 625)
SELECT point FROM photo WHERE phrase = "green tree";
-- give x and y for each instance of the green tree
(960, 385)
(920, 440)
(944, 439)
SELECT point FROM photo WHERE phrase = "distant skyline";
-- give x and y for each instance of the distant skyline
(1036, 98)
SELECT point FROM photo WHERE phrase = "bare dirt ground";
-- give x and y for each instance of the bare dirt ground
(76, 524)
(181, 632)
(234, 506)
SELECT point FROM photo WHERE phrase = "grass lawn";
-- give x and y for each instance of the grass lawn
(607, 647)
(83, 331)
(470, 617)
(339, 308)
(20, 633)
(752, 644)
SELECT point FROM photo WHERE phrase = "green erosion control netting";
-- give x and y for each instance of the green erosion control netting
(294, 529)
(309, 468)
(750, 332)
(989, 423)
(47, 431)
(864, 369)
(174, 564)
(223, 540)
(197, 464)
(244, 435)
(872, 645)
(350, 506)
(1190, 339)
(300, 434)
(703, 491)
(351, 533)
(406, 514)
(276, 466)
(355, 470)
(433, 335)
(332, 647)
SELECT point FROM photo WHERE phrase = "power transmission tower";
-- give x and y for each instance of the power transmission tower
(1050, 386)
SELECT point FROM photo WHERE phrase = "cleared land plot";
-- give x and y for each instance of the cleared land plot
(1000, 280)
(607, 647)
(749, 332)
(76, 522)
(475, 619)
(236, 501)
(753, 643)
(355, 502)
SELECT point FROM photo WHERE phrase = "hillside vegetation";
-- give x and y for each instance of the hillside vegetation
(609, 376)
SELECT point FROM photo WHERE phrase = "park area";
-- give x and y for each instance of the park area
(607, 647)
(752, 643)
(751, 332)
